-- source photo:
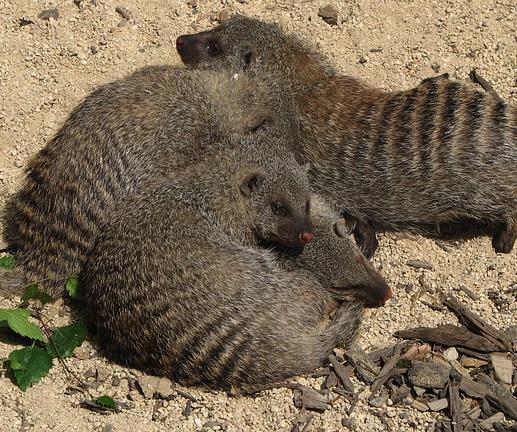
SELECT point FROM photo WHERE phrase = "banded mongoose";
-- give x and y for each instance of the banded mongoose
(122, 135)
(175, 288)
(437, 153)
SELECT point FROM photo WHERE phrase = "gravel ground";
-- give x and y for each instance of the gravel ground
(47, 66)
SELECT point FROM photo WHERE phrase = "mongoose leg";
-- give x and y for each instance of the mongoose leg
(504, 237)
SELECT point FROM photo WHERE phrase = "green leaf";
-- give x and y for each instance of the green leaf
(107, 402)
(32, 292)
(72, 287)
(17, 320)
(66, 339)
(7, 262)
(29, 364)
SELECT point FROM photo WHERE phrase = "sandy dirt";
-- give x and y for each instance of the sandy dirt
(47, 67)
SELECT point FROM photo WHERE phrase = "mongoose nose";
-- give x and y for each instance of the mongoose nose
(388, 295)
(180, 41)
(306, 237)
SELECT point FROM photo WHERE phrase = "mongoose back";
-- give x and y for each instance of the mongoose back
(437, 153)
(175, 290)
(123, 134)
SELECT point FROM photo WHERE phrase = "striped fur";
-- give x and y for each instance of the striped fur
(438, 153)
(121, 136)
(174, 290)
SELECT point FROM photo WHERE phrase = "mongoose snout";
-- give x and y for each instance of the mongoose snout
(189, 47)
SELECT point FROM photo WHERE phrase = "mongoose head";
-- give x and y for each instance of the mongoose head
(340, 267)
(278, 200)
(247, 44)
(237, 43)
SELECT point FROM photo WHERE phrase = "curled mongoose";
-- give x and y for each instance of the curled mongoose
(440, 152)
(122, 135)
(176, 285)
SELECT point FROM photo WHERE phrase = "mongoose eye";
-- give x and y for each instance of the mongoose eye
(213, 48)
(278, 209)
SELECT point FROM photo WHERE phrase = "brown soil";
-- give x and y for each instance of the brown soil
(48, 66)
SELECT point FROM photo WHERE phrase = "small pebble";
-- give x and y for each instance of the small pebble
(329, 14)
(420, 264)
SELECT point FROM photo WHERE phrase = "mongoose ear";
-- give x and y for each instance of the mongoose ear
(342, 228)
(250, 183)
(250, 56)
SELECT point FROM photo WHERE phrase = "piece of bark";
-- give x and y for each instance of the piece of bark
(477, 325)
(310, 399)
(475, 354)
(399, 394)
(342, 373)
(499, 397)
(379, 354)
(386, 372)
(362, 363)
(417, 352)
(472, 388)
(331, 381)
(488, 423)
(455, 402)
(449, 335)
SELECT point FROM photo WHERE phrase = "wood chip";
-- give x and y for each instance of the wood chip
(420, 264)
(472, 388)
(377, 355)
(364, 366)
(417, 352)
(469, 292)
(124, 13)
(499, 397)
(488, 423)
(310, 399)
(455, 405)
(387, 371)
(449, 335)
(343, 373)
(476, 324)
(471, 362)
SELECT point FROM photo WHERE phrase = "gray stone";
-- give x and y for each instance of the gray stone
(451, 354)
(419, 390)
(148, 385)
(438, 405)
(328, 14)
(164, 388)
(503, 368)
(429, 374)
(379, 401)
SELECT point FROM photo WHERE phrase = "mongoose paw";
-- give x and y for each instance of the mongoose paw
(504, 239)
(366, 239)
